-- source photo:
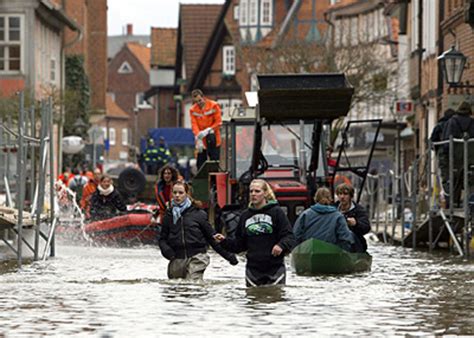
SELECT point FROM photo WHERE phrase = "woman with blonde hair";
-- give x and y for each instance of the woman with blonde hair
(324, 222)
(185, 235)
(264, 232)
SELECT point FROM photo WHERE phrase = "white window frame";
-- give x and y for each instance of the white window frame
(228, 60)
(112, 136)
(253, 12)
(125, 136)
(224, 103)
(140, 102)
(111, 95)
(7, 44)
(253, 82)
(122, 69)
(269, 19)
(243, 17)
(53, 70)
(236, 12)
(354, 31)
(429, 27)
(414, 26)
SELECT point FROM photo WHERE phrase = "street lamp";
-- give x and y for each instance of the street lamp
(452, 63)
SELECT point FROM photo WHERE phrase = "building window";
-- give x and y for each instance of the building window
(125, 137)
(112, 136)
(333, 2)
(11, 43)
(228, 60)
(236, 12)
(354, 31)
(243, 19)
(253, 12)
(224, 103)
(140, 101)
(52, 76)
(253, 82)
(266, 12)
(125, 68)
(111, 95)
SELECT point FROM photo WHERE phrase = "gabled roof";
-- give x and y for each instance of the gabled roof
(213, 44)
(163, 46)
(115, 43)
(142, 53)
(113, 110)
(196, 23)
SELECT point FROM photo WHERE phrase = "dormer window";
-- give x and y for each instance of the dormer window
(125, 68)
(266, 10)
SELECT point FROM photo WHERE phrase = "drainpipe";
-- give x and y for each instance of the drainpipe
(62, 85)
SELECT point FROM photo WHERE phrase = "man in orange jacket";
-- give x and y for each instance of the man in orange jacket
(206, 119)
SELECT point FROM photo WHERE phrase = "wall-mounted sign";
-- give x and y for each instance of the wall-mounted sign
(404, 107)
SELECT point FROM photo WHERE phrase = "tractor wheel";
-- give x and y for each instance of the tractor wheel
(131, 181)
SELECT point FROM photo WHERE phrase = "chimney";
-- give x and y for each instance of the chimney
(129, 29)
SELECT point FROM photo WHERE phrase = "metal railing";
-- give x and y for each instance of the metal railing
(417, 194)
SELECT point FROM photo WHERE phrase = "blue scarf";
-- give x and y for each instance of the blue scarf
(177, 209)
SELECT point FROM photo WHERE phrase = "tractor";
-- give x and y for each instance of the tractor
(282, 139)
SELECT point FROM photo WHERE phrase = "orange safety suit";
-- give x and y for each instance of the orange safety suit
(208, 117)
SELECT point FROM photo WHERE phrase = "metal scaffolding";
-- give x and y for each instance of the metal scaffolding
(30, 141)
(408, 208)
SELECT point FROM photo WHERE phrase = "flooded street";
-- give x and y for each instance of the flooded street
(124, 292)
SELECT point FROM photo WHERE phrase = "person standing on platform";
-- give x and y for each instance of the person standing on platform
(206, 119)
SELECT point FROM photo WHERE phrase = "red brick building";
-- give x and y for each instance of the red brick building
(162, 80)
(128, 80)
(92, 44)
(115, 127)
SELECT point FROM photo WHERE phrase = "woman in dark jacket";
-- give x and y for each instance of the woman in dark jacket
(106, 202)
(185, 235)
(167, 176)
(265, 233)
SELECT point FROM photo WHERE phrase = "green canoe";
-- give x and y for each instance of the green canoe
(314, 257)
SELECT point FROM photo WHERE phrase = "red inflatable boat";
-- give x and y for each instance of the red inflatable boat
(133, 228)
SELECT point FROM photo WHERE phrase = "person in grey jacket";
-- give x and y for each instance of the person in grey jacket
(324, 222)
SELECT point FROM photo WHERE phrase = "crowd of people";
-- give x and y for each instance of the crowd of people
(264, 231)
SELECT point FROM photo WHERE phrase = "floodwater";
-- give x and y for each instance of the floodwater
(120, 292)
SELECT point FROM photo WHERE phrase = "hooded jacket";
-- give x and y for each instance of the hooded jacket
(189, 236)
(326, 223)
(258, 232)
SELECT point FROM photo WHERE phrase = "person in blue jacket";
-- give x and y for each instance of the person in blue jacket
(324, 222)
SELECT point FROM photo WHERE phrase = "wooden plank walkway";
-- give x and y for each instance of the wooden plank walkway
(9, 218)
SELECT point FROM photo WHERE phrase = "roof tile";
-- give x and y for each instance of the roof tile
(142, 53)
(163, 46)
(197, 23)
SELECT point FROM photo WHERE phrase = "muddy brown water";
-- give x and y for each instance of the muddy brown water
(123, 292)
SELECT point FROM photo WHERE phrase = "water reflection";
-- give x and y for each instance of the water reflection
(124, 292)
(265, 294)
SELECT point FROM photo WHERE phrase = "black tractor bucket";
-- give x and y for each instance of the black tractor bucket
(285, 97)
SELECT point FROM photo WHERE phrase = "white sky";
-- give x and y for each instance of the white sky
(144, 14)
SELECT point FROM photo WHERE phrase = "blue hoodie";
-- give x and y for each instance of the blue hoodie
(326, 223)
